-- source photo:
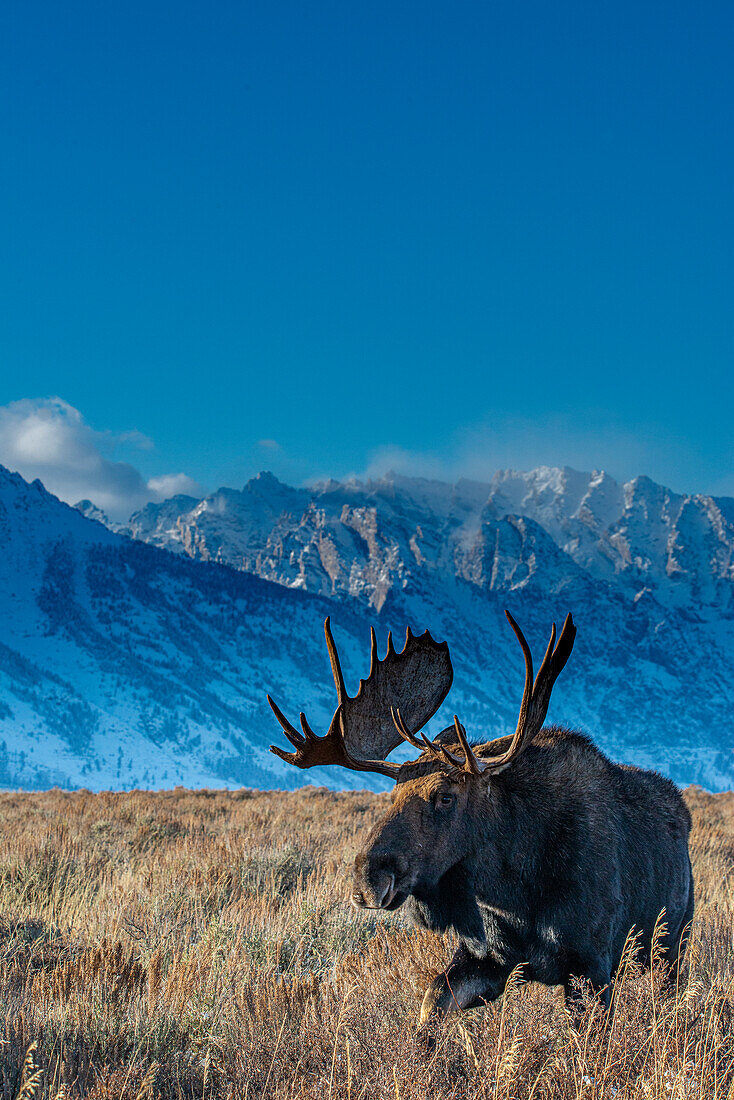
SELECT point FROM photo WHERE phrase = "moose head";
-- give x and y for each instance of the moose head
(441, 798)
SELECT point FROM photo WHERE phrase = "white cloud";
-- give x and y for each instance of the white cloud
(171, 485)
(49, 439)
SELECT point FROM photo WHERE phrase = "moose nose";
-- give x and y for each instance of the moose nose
(381, 895)
(375, 878)
(387, 893)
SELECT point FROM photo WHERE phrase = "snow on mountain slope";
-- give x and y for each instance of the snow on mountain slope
(648, 573)
(637, 534)
(364, 539)
(124, 665)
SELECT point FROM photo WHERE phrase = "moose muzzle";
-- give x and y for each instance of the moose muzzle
(377, 881)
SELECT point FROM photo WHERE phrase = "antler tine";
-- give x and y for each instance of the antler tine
(433, 749)
(441, 753)
(336, 668)
(289, 757)
(528, 689)
(527, 693)
(536, 695)
(547, 658)
(403, 730)
(470, 761)
(310, 735)
(553, 664)
(373, 650)
(438, 752)
(289, 730)
(565, 644)
(454, 761)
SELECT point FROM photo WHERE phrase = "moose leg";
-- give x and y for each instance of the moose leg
(677, 948)
(466, 983)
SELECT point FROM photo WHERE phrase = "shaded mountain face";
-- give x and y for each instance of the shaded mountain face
(124, 665)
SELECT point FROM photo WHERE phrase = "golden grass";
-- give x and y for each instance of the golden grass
(200, 945)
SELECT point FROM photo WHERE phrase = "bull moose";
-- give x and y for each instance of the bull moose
(534, 848)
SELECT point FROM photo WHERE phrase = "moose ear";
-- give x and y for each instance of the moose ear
(447, 736)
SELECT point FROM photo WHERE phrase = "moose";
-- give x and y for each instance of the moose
(534, 848)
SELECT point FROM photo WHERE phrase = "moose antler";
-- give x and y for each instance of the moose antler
(313, 751)
(416, 680)
(536, 696)
(533, 708)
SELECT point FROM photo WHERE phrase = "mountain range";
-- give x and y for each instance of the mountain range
(139, 655)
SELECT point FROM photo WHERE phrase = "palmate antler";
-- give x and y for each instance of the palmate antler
(402, 692)
(533, 708)
(416, 680)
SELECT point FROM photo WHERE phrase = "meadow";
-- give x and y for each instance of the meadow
(200, 944)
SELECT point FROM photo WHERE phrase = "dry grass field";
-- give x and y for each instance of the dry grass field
(200, 945)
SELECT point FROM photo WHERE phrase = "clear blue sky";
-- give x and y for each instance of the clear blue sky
(457, 234)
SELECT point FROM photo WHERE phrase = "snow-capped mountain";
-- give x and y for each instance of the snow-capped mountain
(648, 573)
(122, 664)
(368, 539)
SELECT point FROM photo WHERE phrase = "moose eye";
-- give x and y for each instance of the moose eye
(444, 800)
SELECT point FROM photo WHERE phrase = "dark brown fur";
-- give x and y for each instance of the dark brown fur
(548, 864)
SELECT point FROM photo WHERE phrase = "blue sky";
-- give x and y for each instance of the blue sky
(329, 238)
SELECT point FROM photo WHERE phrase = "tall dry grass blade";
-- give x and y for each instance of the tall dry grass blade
(31, 1082)
(147, 1085)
